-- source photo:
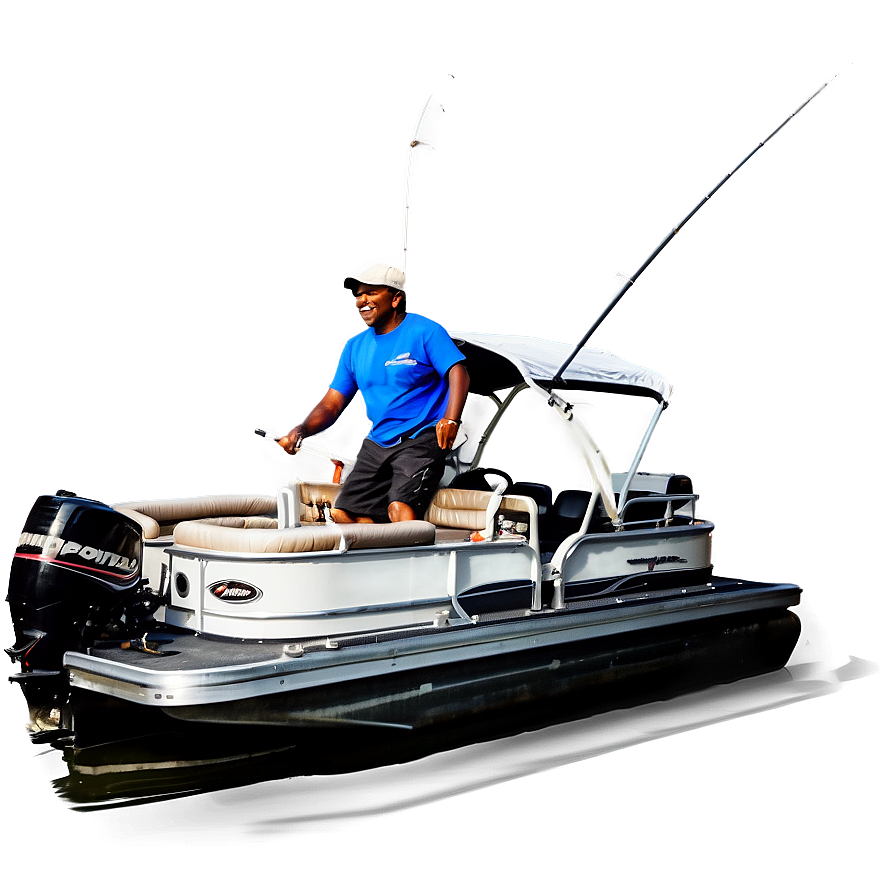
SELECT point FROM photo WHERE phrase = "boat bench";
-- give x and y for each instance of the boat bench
(456, 513)
(249, 523)
(218, 535)
(294, 520)
(466, 509)
(159, 517)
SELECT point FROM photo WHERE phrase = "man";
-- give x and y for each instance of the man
(413, 381)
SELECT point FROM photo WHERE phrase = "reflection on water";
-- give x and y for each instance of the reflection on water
(432, 765)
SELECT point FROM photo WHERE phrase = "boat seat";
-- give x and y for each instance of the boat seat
(466, 511)
(217, 536)
(451, 535)
(159, 517)
(455, 512)
(651, 511)
(564, 517)
(241, 522)
(461, 508)
(540, 493)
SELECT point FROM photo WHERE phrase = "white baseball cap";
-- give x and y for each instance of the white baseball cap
(377, 275)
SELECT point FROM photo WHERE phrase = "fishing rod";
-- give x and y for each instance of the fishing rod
(337, 460)
(631, 280)
(415, 142)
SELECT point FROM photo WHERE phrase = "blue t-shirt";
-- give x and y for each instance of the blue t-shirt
(402, 376)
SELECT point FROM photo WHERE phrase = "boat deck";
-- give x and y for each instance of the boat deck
(174, 650)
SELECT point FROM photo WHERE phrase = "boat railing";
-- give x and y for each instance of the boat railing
(677, 509)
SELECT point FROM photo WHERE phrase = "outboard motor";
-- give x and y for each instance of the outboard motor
(75, 578)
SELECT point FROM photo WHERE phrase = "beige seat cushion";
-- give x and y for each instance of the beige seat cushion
(452, 508)
(212, 535)
(241, 522)
(460, 508)
(161, 514)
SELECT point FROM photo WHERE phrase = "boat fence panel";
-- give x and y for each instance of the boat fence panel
(328, 593)
(608, 557)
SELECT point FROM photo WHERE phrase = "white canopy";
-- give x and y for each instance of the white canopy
(537, 360)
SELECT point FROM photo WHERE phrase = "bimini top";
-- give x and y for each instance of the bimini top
(501, 362)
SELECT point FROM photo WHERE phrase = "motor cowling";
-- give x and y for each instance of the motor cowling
(75, 577)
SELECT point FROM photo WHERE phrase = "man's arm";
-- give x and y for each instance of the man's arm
(458, 388)
(324, 415)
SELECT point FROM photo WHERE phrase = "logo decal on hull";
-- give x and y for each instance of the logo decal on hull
(235, 592)
(653, 562)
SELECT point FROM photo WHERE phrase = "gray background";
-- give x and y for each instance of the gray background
(184, 185)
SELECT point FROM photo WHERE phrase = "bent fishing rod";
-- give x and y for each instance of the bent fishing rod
(558, 376)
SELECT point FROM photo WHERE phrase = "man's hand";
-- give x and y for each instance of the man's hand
(292, 441)
(446, 432)
(325, 414)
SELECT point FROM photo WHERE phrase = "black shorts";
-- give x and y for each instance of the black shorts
(408, 472)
